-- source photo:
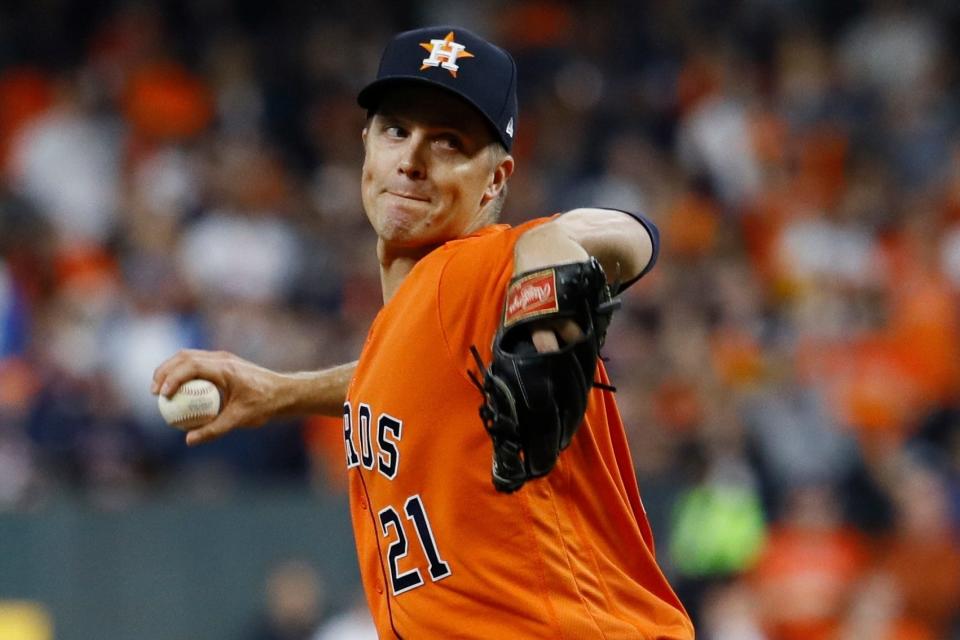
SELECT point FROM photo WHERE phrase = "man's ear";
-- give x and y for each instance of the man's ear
(498, 180)
(363, 136)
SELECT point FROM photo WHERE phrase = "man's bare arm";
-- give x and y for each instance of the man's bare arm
(252, 394)
(621, 244)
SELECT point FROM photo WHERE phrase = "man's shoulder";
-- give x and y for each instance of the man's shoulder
(486, 236)
(485, 254)
(492, 236)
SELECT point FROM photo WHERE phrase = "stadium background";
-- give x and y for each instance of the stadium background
(185, 173)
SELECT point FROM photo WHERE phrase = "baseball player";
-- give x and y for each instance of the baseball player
(550, 540)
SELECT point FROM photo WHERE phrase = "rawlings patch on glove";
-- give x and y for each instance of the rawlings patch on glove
(535, 402)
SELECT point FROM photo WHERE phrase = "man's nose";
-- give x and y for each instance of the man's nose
(412, 162)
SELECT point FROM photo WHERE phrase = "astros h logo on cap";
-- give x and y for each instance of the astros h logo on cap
(445, 53)
(459, 61)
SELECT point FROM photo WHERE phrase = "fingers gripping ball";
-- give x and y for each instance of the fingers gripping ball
(195, 403)
(534, 402)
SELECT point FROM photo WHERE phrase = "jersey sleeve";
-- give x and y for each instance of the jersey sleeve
(471, 290)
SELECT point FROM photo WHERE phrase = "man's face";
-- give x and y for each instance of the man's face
(430, 167)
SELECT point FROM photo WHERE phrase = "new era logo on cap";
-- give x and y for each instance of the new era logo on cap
(459, 61)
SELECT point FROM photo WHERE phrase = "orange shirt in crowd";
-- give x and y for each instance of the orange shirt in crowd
(805, 579)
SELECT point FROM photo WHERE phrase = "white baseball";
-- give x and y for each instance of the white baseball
(195, 403)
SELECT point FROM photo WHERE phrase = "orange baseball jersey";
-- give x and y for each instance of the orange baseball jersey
(444, 555)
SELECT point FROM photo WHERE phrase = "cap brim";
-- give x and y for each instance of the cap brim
(370, 96)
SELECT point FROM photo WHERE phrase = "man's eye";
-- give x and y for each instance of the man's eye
(394, 131)
(450, 142)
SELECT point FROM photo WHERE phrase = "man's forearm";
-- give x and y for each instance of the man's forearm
(314, 392)
(621, 244)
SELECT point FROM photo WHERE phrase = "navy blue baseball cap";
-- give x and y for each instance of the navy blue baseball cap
(458, 61)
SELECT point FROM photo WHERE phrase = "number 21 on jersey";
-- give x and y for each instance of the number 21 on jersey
(387, 462)
(392, 527)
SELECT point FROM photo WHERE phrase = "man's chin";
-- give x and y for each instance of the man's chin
(410, 239)
(401, 226)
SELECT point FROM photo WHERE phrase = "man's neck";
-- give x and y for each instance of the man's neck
(395, 264)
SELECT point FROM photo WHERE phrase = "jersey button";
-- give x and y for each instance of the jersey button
(363, 504)
(379, 588)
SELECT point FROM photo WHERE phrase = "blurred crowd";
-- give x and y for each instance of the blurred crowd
(185, 174)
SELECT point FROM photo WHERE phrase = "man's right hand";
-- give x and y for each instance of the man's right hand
(249, 391)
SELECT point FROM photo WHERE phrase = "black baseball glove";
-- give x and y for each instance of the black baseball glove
(534, 402)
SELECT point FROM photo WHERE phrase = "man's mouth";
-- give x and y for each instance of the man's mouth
(409, 196)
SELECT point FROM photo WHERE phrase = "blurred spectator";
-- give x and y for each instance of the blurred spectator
(295, 600)
(354, 623)
(892, 48)
(67, 163)
(730, 613)
(12, 315)
(877, 612)
(718, 528)
(921, 557)
(715, 138)
(793, 437)
(246, 249)
(25, 93)
(163, 101)
(18, 468)
(808, 571)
